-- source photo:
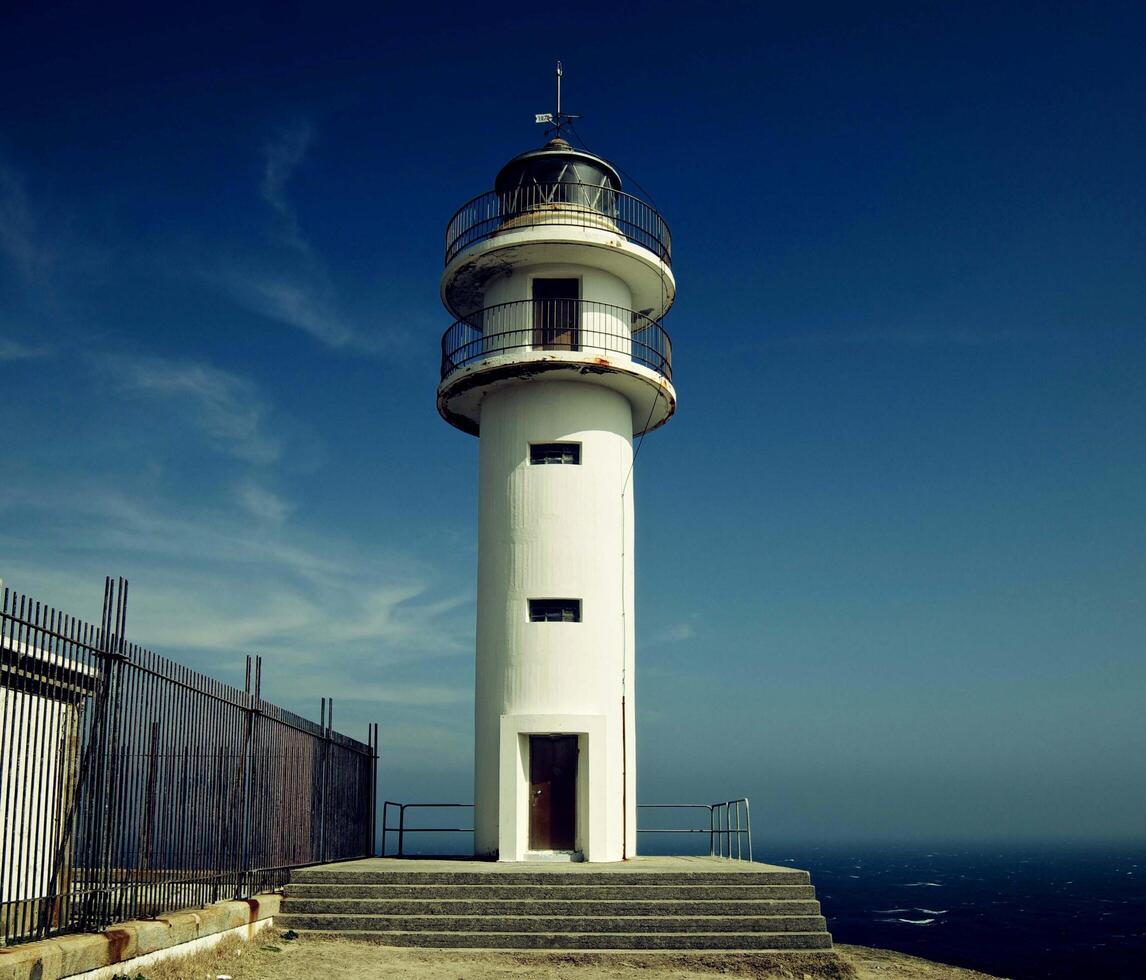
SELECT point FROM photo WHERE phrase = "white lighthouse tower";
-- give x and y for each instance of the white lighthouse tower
(557, 360)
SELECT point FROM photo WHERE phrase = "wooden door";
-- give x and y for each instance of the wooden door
(552, 792)
(556, 314)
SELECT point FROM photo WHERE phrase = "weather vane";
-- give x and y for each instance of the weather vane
(557, 117)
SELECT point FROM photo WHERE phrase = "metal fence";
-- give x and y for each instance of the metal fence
(557, 325)
(131, 785)
(729, 826)
(401, 829)
(558, 203)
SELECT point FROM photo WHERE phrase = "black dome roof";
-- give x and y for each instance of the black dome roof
(556, 162)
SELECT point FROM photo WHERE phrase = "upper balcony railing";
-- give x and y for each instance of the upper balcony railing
(562, 203)
(564, 325)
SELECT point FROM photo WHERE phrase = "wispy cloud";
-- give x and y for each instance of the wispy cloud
(299, 299)
(21, 242)
(907, 336)
(262, 504)
(673, 633)
(281, 158)
(14, 350)
(292, 285)
(228, 410)
(208, 581)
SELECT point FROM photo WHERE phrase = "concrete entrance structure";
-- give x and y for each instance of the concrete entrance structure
(557, 360)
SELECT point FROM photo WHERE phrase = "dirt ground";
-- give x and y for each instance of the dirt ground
(271, 957)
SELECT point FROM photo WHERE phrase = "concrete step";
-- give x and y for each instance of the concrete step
(581, 941)
(652, 924)
(495, 907)
(699, 892)
(549, 878)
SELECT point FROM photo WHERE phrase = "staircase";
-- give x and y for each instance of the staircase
(772, 909)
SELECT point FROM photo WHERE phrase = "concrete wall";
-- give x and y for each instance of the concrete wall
(596, 284)
(131, 946)
(555, 532)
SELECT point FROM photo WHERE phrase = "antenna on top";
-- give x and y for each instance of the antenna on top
(557, 117)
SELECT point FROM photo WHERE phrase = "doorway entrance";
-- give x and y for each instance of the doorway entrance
(552, 792)
(556, 314)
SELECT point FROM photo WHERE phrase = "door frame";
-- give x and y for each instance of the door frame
(591, 833)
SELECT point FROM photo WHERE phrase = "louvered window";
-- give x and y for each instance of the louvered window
(555, 610)
(568, 453)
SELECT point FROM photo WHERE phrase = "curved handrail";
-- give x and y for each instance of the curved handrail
(561, 324)
(561, 203)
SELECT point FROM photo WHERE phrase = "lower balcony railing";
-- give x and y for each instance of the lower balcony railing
(557, 325)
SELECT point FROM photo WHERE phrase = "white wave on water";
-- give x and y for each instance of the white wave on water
(923, 884)
(934, 911)
(889, 911)
(909, 922)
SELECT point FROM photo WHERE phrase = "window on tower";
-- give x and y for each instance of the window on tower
(568, 453)
(555, 610)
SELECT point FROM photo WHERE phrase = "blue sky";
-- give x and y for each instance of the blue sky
(891, 549)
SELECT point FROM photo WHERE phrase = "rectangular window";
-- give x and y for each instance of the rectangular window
(555, 610)
(568, 453)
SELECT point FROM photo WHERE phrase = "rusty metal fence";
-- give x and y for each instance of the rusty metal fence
(131, 785)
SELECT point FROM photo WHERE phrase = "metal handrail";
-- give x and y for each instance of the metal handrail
(557, 324)
(561, 203)
(402, 830)
(729, 826)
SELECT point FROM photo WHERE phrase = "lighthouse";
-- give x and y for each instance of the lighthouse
(558, 360)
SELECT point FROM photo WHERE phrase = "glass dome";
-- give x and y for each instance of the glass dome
(557, 174)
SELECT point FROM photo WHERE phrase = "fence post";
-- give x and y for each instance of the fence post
(372, 820)
(105, 728)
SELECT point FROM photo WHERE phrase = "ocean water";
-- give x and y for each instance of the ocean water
(1012, 911)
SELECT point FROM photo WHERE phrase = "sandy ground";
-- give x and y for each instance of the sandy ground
(270, 957)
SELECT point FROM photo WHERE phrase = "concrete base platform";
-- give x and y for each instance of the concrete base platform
(648, 903)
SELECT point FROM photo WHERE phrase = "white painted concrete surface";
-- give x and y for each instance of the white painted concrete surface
(555, 532)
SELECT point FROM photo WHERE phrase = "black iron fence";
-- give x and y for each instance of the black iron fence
(131, 785)
(557, 325)
(563, 204)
